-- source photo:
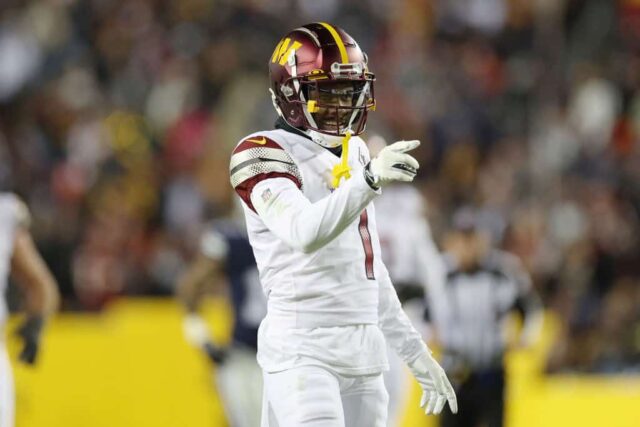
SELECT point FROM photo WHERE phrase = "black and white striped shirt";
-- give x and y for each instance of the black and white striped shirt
(468, 308)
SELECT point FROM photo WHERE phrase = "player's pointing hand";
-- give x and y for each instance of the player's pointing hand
(393, 164)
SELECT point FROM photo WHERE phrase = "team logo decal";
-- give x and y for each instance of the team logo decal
(266, 195)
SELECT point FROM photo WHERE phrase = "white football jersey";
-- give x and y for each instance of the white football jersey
(9, 217)
(318, 253)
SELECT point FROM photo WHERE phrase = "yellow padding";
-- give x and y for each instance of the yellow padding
(127, 367)
(312, 106)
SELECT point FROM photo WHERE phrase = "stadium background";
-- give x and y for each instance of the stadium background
(116, 123)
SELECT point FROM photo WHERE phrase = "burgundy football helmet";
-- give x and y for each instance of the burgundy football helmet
(320, 80)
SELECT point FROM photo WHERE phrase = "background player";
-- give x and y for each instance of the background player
(226, 258)
(482, 285)
(307, 189)
(18, 256)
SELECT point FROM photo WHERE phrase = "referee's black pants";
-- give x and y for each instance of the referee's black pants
(480, 401)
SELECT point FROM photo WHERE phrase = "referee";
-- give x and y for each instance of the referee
(467, 310)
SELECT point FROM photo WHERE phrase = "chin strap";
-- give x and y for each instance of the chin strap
(342, 169)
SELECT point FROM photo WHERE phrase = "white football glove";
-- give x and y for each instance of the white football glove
(197, 334)
(436, 388)
(195, 330)
(393, 164)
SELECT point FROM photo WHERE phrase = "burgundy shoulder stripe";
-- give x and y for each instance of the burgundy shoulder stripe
(258, 141)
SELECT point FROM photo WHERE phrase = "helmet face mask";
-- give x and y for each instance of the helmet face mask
(335, 106)
(322, 83)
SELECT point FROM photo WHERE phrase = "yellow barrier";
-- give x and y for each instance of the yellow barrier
(130, 367)
(127, 367)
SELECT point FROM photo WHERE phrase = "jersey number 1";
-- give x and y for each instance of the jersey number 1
(363, 228)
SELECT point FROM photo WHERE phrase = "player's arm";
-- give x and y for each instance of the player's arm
(307, 226)
(406, 341)
(268, 181)
(408, 344)
(192, 281)
(394, 323)
(40, 288)
(206, 268)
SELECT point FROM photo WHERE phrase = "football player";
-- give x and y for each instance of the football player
(226, 256)
(307, 189)
(19, 256)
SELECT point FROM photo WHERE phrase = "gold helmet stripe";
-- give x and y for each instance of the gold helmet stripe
(339, 42)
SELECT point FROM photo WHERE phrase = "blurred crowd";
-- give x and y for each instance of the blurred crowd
(117, 118)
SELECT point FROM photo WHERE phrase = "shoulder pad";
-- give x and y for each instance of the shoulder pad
(257, 158)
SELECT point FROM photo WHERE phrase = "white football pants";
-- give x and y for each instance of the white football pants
(312, 396)
(6, 389)
(239, 382)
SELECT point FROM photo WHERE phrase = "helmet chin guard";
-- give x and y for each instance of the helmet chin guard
(320, 83)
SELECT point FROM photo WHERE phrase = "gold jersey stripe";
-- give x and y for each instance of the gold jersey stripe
(339, 42)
